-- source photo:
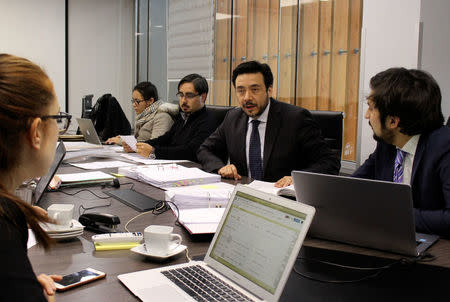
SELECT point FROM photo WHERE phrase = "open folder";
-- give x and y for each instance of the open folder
(199, 221)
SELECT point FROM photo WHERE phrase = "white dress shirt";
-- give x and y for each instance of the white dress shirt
(410, 148)
(262, 133)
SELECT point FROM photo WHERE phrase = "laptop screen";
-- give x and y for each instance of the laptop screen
(257, 239)
(45, 180)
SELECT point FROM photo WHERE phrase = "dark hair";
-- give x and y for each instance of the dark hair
(254, 67)
(147, 90)
(25, 93)
(199, 82)
(410, 94)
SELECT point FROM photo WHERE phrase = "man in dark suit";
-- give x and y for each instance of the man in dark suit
(265, 139)
(191, 127)
(413, 145)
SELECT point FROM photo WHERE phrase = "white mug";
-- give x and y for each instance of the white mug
(159, 240)
(62, 214)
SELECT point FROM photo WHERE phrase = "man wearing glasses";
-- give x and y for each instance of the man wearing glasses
(264, 138)
(191, 127)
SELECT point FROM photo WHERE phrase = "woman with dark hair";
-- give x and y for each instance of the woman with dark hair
(30, 122)
(154, 118)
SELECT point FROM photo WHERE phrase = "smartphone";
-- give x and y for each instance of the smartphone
(79, 278)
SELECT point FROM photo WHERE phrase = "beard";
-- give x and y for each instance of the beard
(387, 136)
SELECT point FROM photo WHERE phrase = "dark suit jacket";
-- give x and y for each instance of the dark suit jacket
(183, 139)
(430, 179)
(292, 142)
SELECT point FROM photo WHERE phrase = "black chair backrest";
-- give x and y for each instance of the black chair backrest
(218, 112)
(331, 125)
(108, 118)
(448, 121)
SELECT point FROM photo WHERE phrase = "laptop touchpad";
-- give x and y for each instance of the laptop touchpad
(160, 293)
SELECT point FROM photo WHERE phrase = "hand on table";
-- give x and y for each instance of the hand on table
(229, 171)
(113, 140)
(284, 182)
(144, 149)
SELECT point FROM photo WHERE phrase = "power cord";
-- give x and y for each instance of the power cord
(161, 207)
(403, 261)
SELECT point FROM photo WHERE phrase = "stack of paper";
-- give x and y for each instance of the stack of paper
(214, 195)
(269, 187)
(84, 178)
(172, 175)
(147, 161)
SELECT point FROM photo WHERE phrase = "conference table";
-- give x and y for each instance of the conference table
(312, 280)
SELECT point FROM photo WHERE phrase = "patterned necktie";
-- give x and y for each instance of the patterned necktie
(398, 167)
(254, 152)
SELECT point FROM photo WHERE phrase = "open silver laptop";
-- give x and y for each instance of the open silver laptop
(88, 130)
(250, 256)
(368, 213)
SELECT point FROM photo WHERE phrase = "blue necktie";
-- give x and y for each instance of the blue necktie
(398, 166)
(254, 152)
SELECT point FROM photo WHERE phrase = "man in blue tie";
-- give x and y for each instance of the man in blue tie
(264, 138)
(413, 145)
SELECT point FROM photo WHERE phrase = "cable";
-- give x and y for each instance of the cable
(140, 214)
(85, 190)
(348, 266)
(161, 207)
(187, 255)
(89, 208)
(378, 270)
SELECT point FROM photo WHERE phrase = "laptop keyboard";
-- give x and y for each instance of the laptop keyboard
(201, 285)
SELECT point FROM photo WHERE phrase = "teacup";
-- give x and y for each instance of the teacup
(159, 240)
(62, 214)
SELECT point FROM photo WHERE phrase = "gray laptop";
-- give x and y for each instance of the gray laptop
(44, 181)
(368, 213)
(88, 130)
(250, 256)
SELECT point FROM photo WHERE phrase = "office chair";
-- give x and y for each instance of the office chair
(108, 118)
(218, 112)
(331, 125)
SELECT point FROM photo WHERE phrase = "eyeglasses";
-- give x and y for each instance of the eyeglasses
(62, 119)
(188, 95)
(136, 101)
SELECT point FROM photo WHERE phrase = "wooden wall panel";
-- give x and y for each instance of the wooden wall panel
(272, 42)
(339, 55)
(308, 53)
(286, 56)
(324, 68)
(351, 106)
(220, 88)
(240, 37)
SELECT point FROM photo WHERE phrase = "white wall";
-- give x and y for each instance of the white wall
(436, 45)
(390, 33)
(101, 51)
(36, 30)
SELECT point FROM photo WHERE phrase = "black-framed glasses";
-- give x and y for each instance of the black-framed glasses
(62, 119)
(136, 101)
(187, 95)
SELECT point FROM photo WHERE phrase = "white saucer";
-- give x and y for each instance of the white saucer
(74, 226)
(67, 235)
(140, 249)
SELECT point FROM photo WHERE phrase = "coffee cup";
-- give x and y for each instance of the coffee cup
(159, 240)
(62, 214)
